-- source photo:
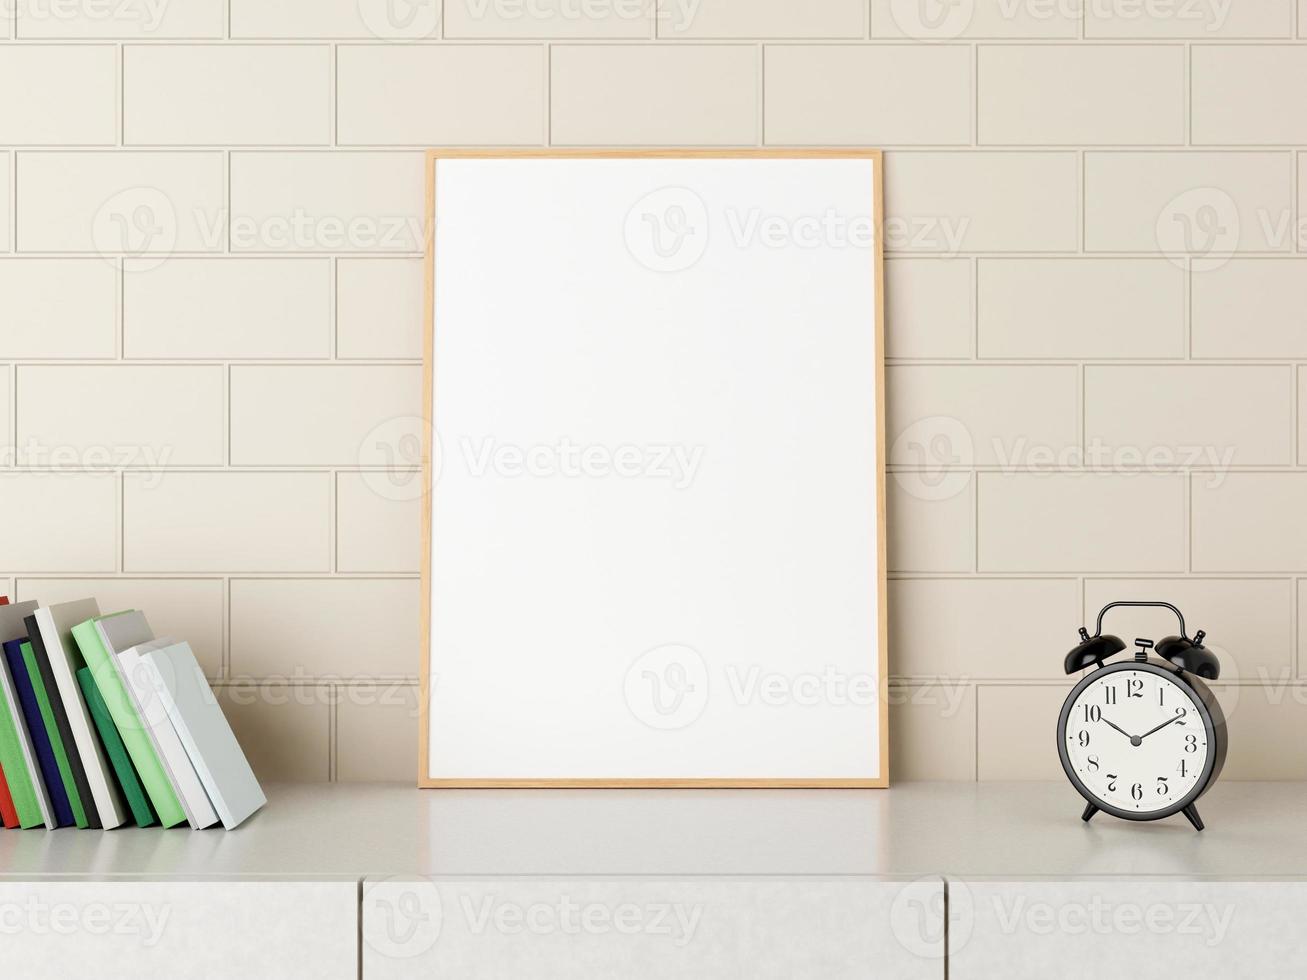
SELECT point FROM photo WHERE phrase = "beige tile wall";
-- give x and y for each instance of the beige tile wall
(1097, 324)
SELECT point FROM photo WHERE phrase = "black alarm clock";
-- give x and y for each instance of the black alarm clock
(1143, 738)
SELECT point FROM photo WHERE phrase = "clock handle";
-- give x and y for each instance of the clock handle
(1098, 630)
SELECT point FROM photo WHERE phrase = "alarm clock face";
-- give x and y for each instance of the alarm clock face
(1137, 742)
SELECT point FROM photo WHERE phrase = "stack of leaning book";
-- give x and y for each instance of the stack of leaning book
(102, 725)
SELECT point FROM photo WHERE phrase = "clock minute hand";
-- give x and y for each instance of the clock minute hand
(1162, 725)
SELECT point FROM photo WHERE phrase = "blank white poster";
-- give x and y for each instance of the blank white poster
(655, 548)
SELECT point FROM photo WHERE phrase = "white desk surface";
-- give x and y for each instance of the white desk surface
(1007, 830)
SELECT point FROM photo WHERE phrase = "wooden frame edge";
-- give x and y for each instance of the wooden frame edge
(432, 156)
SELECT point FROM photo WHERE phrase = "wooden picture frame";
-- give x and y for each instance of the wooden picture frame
(433, 160)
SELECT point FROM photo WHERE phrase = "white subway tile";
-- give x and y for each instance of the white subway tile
(58, 94)
(6, 202)
(368, 19)
(1241, 94)
(327, 202)
(316, 628)
(379, 308)
(284, 729)
(1183, 203)
(227, 308)
(227, 522)
(1005, 748)
(485, 19)
(648, 94)
(932, 731)
(928, 307)
(1232, 415)
(59, 522)
(1069, 95)
(137, 417)
(1266, 721)
(932, 517)
(470, 94)
(934, 626)
(120, 203)
(1251, 308)
(55, 308)
(1081, 522)
(132, 19)
(378, 528)
(377, 732)
(1073, 308)
(1249, 522)
(980, 202)
(824, 94)
(342, 416)
(231, 94)
(989, 413)
(189, 609)
(759, 18)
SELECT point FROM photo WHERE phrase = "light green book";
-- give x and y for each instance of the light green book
(103, 663)
(52, 732)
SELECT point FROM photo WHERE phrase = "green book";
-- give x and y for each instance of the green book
(52, 731)
(17, 775)
(117, 752)
(107, 672)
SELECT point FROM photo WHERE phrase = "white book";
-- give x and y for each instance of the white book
(204, 731)
(12, 627)
(56, 623)
(149, 705)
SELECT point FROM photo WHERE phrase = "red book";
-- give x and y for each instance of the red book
(8, 814)
(4, 600)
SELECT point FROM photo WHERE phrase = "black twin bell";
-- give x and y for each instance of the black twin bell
(1185, 653)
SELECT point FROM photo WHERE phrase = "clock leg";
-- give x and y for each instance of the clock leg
(1090, 810)
(1191, 812)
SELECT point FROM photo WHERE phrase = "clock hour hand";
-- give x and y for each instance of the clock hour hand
(1163, 724)
(1119, 729)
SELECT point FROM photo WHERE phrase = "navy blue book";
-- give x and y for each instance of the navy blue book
(54, 782)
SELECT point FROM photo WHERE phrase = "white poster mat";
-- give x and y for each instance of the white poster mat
(655, 532)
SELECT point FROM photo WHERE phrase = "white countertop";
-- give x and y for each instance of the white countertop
(1015, 830)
